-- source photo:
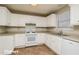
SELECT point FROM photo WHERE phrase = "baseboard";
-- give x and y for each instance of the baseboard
(25, 46)
(21, 46)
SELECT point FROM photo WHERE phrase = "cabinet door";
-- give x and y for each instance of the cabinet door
(49, 41)
(21, 20)
(74, 14)
(14, 20)
(51, 20)
(3, 16)
(8, 17)
(40, 38)
(42, 22)
(70, 47)
(6, 44)
(57, 44)
(54, 43)
(19, 40)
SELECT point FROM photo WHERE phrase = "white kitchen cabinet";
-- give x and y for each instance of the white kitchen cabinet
(17, 20)
(54, 43)
(69, 47)
(57, 44)
(6, 44)
(21, 20)
(49, 41)
(14, 20)
(19, 40)
(38, 20)
(74, 14)
(8, 17)
(4, 16)
(51, 20)
(62, 45)
(41, 37)
(41, 22)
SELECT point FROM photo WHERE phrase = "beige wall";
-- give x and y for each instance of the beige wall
(22, 30)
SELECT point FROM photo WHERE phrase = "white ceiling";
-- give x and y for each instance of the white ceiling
(40, 9)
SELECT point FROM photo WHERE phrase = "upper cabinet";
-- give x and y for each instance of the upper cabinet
(4, 16)
(15, 20)
(51, 20)
(21, 20)
(41, 22)
(74, 14)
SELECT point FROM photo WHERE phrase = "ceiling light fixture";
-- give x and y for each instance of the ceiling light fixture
(34, 5)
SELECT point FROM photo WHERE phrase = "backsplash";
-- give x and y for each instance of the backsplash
(41, 29)
(3, 29)
(76, 27)
(71, 31)
(38, 29)
(14, 29)
(66, 31)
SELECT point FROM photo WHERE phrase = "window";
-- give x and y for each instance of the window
(63, 18)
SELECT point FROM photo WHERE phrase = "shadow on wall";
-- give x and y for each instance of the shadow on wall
(3, 29)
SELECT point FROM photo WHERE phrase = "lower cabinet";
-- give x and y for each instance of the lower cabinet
(21, 40)
(58, 44)
(61, 45)
(41, 37)
(6, 44)
(69, 47)
(54, 43)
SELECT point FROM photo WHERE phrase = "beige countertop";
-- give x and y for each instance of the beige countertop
(72, 38)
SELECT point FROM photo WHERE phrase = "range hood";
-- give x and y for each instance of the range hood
(30, 27)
